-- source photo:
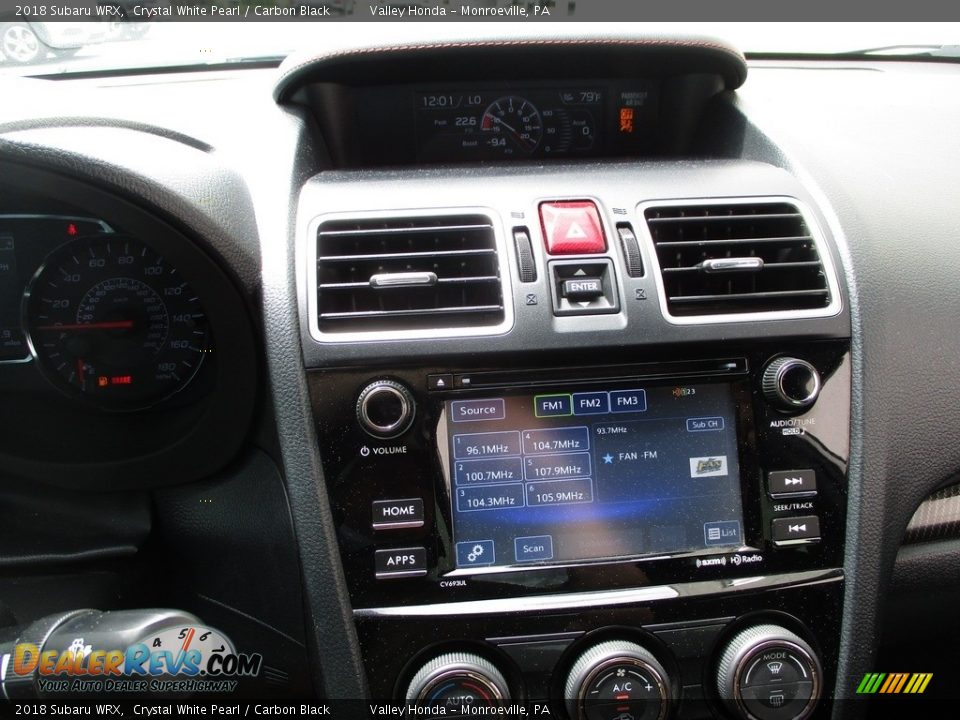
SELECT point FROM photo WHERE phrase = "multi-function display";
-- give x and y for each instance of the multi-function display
(564, 477)
(479, 123)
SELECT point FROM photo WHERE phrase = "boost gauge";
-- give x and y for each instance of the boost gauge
(109, 320)
(513, 126)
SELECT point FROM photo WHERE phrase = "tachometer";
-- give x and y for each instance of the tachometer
(513, 125)
(108, 319)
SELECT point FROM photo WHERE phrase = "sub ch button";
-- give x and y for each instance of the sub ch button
(397, 514)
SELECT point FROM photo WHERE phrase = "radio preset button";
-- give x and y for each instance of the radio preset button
(397, 514)
(781, 483)
(791, 530)
(400, 563)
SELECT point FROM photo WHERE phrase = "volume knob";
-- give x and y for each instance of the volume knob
(385, 409)
(791, 384)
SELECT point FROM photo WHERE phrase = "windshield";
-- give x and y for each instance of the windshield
(35, 46)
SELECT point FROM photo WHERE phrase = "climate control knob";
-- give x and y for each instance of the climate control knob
(457, 680)
(767, 672)
(385, 409)
(791, 384)
(614, 679)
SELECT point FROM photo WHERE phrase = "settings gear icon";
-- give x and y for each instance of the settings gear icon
(476, 553)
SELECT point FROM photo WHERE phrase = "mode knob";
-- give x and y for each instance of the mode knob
(767, 672)
(615, 679)
(385, 409)
(458, 680)
(791, 384)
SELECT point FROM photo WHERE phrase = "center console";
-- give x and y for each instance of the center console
(530, 533)
(584, 423)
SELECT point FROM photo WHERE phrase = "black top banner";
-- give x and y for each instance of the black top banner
(528, 11)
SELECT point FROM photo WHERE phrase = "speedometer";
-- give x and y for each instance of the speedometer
(109, 320)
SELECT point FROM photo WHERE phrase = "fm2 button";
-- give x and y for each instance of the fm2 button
(400, 563)
(397, 514)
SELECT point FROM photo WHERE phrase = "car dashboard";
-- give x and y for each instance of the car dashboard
(614, 373)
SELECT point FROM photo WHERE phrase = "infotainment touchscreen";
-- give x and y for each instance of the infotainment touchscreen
(603, 474)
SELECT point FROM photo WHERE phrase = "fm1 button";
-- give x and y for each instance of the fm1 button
(397, 514)
(400, 563)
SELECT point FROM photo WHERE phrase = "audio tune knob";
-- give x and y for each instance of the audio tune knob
(456, 680)
(385, 409)
(767, 672)
(791, 384)
(615, 679)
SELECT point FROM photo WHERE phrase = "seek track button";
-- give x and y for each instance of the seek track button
(782, 483)
(791, 530)
(397, 514)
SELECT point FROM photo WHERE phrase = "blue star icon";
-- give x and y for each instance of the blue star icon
(608, 459)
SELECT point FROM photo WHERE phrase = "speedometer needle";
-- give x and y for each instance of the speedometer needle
(115, 325)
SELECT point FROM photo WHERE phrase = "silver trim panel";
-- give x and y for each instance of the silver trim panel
(603, 598)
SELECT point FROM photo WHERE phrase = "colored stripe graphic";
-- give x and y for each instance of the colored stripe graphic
(894, 683)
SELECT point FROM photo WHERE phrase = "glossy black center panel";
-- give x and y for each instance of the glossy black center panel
(531, 512)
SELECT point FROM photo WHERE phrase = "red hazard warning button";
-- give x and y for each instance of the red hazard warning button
(572, 228)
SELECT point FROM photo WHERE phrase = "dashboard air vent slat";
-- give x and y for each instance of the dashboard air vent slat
(423, 273)
(737, 258)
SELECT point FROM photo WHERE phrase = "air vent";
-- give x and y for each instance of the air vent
(754, 257)
(408, 274)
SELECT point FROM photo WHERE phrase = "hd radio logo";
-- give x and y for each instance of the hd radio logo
(172, 661)
(894, 683)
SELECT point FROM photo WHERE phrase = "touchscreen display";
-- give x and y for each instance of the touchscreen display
(596, 475)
